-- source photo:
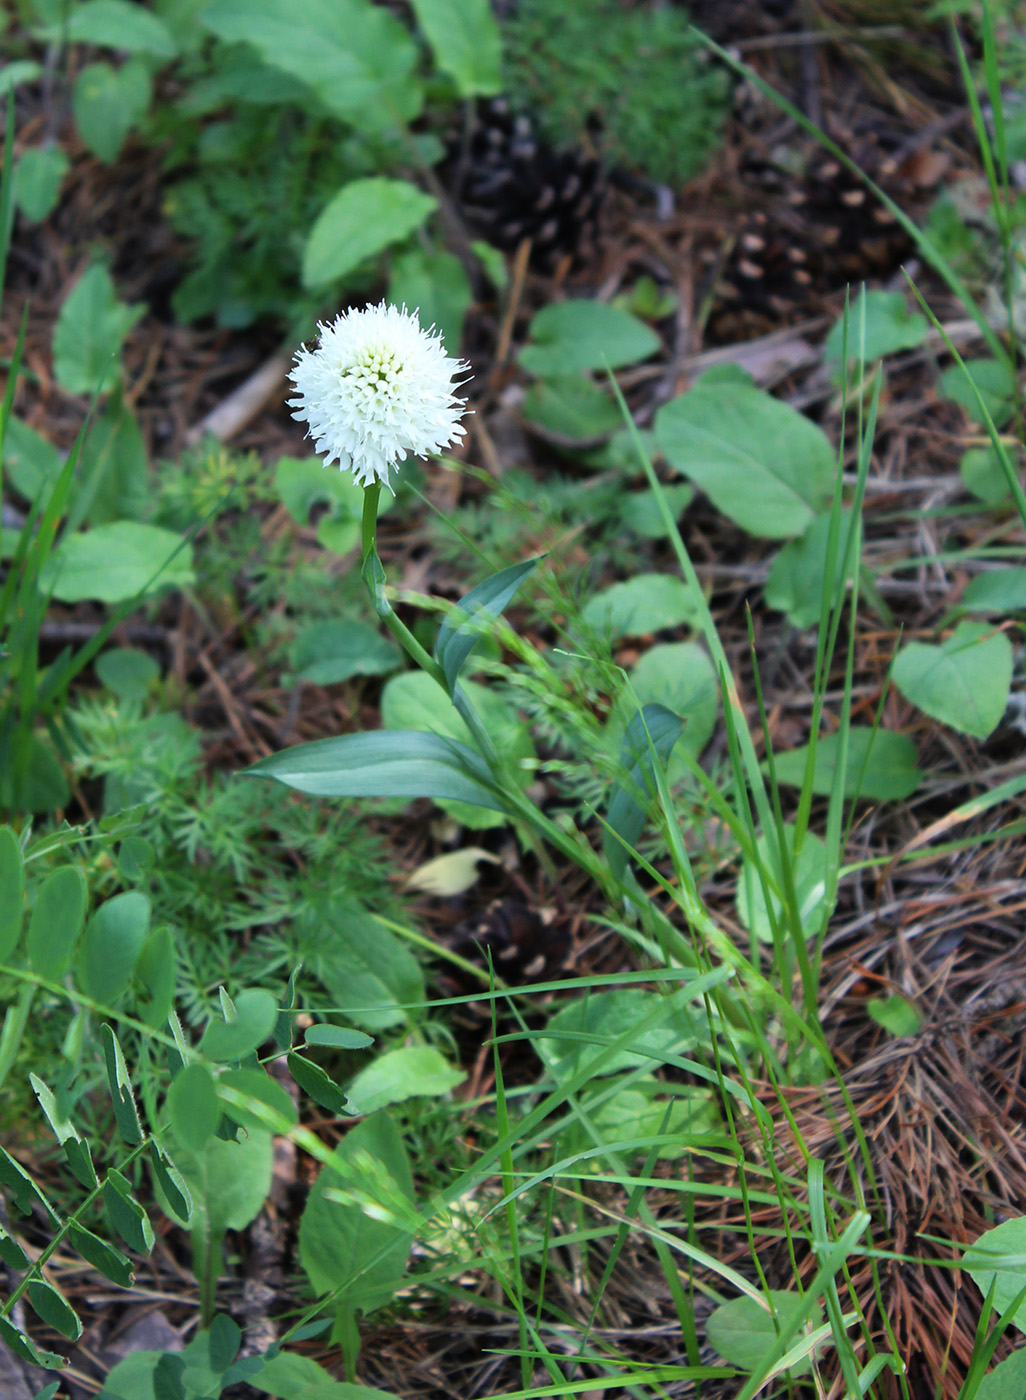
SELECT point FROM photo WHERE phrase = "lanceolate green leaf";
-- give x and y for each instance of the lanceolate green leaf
(12, 891)
(626, 816)
(75, 1149)
(465, 38)
(467, 623)
(384, 763)
(120, 1089)
(364, 218)
(104, 1257)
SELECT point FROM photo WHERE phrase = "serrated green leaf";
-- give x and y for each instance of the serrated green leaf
(364, 218)
(357, 57)
(12, 892)
(90, 330)
(103, 1256)
(56, 921)
(126, 1214)
(106, 103)
(383, 763)
(120, 1086)
(116, 24)
(468, 621)
(75, 1149)
(465, 38)
(51, 1307)
(256, 1014)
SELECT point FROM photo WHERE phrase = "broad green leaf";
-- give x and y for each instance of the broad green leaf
(993, 380)
(570, 336)
(113, 562)
(316, 1084)
(985, 1262)
(116, 24)
(368, 972)
(997, 591)
(44, 788)
(113, 469)
(641, 513)
(466, 624)
(90, 331)
(433, 283)
(104, 1257)
(743, 1332)
(22, 70)
(172, 1183)
(889, 326)
(75, 1149)
(135, 858)
(228, 1183)
(31, 463)
(896, 1014)
(1007, 1381)
(155, 973)
(291, 1376)
(357, 57)
(571, 408)
(120, 1085)
(757, 459)
(306, 483)
(654, 727)
(639, 1111)
(808, 872)
(12, 892)
(341, 1243)
(194, 1108)
(111, 945)
(56, 921)
(364, 218)
(39, 176)
(128, 672)
(341, 1037)
(107, 102)
(12, 1253)
(889, 761)
(582, 1029)
(51, 1307)
(25, 1348)
(983, 475)
(383, 763)
(48, 1392)
(23, 1191)
(256, 1013)
(132, 1379)
(465, 38)
(679, 676)
(963, 682)
(126, 1214)
(410, 1072)
(797, 578)
(327, 653)
(258, 1085)
(645, 603)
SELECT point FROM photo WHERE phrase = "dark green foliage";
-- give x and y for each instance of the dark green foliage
(636, 77)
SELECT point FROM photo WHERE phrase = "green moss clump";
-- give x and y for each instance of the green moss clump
(634, 80)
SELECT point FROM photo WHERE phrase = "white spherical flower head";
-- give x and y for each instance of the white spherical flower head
(377, 388)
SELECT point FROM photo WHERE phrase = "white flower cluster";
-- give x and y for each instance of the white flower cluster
(377, 388)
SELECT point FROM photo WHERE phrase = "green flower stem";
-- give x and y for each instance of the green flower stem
(374, 578)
